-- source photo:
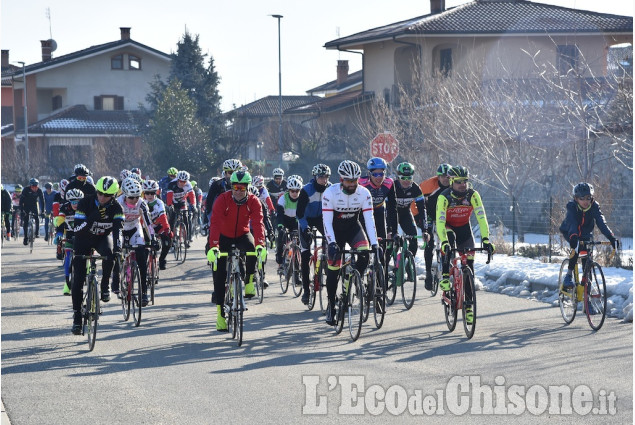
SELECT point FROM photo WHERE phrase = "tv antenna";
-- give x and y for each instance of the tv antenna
(52, 42)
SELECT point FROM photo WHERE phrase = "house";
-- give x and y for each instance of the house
(81, 107)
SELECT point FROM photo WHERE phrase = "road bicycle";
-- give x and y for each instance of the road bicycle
(317, 271)
(461, 282)
(130, 285)
(375, 289)
(51, 229)
(590, 290)
(180, 242)
(69, 255)
(153, 272)
(234, 303)
(17, 224)
(401, 270)
(291, 261)
(90, 305)
(351, 298)
(31, 230)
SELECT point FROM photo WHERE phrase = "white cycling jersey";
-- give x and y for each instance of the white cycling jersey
(136, 217)
(340, 209)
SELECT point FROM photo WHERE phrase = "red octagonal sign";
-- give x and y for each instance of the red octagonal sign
(385, 146)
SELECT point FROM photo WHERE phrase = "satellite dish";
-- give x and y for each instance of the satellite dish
(53, 44)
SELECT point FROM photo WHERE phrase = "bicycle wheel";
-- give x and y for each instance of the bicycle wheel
(320, 291)
(69, 277)
(238, 314)
(468, 282)
(228, 306)
(31, 235)
(312, 277)
(339, 314)
(260, 285)
(379, 296)
(391, 279)
(152, 275)
(355, 305)
(176, 247)
(124, 290)
(296, 276)
(409, 278)
(449, 307)
(368, 293)
(92, 313)
(183, 241)
(436, 278)
(595, 297)
(135, 296)
(566, 299)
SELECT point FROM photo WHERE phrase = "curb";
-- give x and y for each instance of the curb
(4, 419)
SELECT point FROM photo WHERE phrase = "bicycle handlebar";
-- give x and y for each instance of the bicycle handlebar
(490, 254)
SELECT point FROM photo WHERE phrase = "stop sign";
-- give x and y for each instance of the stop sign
(385, 146)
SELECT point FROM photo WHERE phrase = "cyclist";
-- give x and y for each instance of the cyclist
(31, 201)
(342, 204)
(382, 189)
(159, 218)
(64, 222)
(221, 185)
(137, 171)
(79, 180)
(195, 209)
(6, 211)
(233, 212)
(263, 193)
(96, 218)
(454, 208)
(49, 200)
(180, 195)
(406, 194)
(431, 189)
(165, 181)
(17, 210)
(309, 214)
(582, 214)
(137, 232)
(277, 186)
(286, 215)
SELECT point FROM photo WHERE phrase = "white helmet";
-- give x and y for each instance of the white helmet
(232, 164)
(74, 194)
(258, 181)
(63, 184)
(131, 187)
(150, 186)
(134, 176)
(349, 170)
(254, 190)
(294, 184)
(183, 175)
(212, 180)
(278, 172)
(124, 173)
(321, 170)
(297, 177)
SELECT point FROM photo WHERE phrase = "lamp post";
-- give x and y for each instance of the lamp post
(278, 17)
(26, 122)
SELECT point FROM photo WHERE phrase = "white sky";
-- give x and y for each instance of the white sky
(240, 35)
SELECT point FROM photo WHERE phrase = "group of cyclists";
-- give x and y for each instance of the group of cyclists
(240, 210)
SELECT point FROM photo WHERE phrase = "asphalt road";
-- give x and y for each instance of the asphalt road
(523, 363)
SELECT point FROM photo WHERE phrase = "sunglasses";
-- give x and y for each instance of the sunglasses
(294, 190)
(349, 180)
(406, 178)
(278, 178)
(149, 193)
(460, 181)
(105, 195)
(323, 176)
(74, 202)
(132, 197)
(586, 198)
(81, 178)
(239, 187)
(380, 174)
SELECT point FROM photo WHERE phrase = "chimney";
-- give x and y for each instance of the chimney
(437, 6)
(5, 59)
(47, 48)
(125, 33)
(342, 71)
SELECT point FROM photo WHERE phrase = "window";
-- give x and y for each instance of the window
(116, 62)
(134, 63)
(56, 102)
(567, 58)
(445, 61)
(108, 103)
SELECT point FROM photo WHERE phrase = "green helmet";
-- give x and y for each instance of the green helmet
(241, 177)
(443, 169)
(18, 188)
(405, 169)
(172, 171)
(107, 185)
(193, 183)
(458, 172)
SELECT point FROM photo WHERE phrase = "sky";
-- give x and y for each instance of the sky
(240, 35)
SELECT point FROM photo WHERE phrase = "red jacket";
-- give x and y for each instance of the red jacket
(232, 220)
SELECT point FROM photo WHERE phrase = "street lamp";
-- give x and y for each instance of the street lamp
(26, 123)
(278, 17)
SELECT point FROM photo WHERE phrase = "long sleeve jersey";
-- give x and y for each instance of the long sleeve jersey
(340, 210)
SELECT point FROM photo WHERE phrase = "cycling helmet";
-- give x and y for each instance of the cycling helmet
(321, 170)
(297, 177)
(124, 173)
(258, 181)
(458, 172)
(193, 183)
(90, 180)
(107, 185)
(443, 169)
(183, 175)
(172, 171)
(349, 170)
(48, 185)
(135, 176)
(74, 194)
(150, 186)
(254, 190)
(232, 164)
(56, 186)
(81, 170)
(131, 187)
(294, 184)
(278, 172)
(212, 180)
(376, 164)
(18, 188)
(242, 177)
(136, 171)
(34, 182)
(581, 190)
(405, 169)
(63, 184)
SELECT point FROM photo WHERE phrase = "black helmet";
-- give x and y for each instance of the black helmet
(458, 172)
(81, 170)
(48, 185)
(443, 169)
(582, 189)
(34, 182)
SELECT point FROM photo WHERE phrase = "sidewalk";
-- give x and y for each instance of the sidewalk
(4, 419)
